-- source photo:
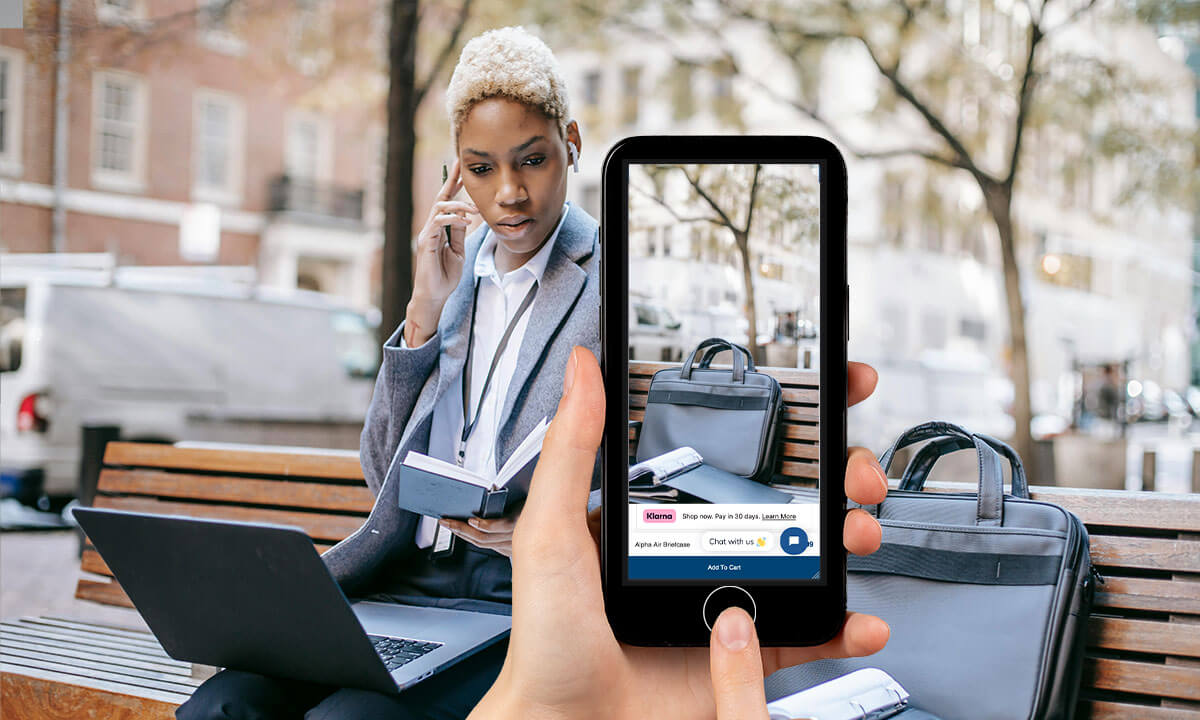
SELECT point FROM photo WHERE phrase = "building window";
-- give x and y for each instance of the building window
(933, 331)
(591, 89)
(683, 102)
(12, 73)
(119, 131)
(724, 104)
(217, 161)
(973, 328)
(631, 80)
(308, 153)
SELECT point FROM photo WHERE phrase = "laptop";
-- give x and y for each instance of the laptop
(258, 597)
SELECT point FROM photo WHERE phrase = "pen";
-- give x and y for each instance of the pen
(445, 176)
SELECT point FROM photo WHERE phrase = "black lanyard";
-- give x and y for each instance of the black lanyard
(468, 427)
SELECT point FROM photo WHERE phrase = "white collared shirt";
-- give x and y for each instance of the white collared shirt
(499, 298)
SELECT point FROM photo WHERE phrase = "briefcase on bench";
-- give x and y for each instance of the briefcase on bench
(987, 594)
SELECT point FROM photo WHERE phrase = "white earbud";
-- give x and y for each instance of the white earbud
(574, 155)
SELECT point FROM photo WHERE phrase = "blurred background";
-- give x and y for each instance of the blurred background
(207, 208)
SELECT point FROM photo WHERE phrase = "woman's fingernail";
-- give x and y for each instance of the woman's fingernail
(569, 374)
(882, 476)
(733, 630)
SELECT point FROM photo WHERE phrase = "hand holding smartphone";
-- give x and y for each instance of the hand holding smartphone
(732, 244)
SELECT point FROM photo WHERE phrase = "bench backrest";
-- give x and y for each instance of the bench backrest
(321, 491)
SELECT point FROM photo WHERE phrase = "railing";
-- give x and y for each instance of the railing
(300, 195)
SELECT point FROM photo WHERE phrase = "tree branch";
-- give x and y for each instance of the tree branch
(435, 70)
(961, 155)
(695, 183)
(677, 216)
(753, 192)
(1024, 102)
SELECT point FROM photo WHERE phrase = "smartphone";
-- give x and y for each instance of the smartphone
(724, 262)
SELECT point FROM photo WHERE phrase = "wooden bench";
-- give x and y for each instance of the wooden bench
(1144, 637)
(1143, 655)
(55, 668)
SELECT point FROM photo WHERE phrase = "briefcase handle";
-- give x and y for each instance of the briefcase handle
(918, 468)
(990, 494)
(739, 369)
(714, 350)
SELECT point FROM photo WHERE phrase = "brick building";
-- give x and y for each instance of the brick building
(180, 115)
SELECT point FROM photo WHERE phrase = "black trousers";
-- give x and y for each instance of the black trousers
(451, 693)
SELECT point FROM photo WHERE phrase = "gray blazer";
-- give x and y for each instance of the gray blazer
(565, 313)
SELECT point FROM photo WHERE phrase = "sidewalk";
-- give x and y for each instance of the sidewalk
(38, 572)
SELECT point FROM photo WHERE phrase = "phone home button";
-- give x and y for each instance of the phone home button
(724, 597)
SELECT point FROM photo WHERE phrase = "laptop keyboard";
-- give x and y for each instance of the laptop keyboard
(399, 651)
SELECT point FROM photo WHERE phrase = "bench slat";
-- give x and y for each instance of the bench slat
(810, 471)
(1123, 508)
(28, 693)
(1104, 710)
(135, 673)
(1112, 508)
(790, 394)
(320, 496)
(785, 376)
(58, 646)
(91, 627)
(11, 644)
(106, 593)
(1148, 636)
(92, 673)
(318, 526)
(1177, 596)
(1148, 553)
(73, 638)
(1173, 681)
(290, 462)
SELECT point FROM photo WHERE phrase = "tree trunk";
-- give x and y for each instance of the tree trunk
(999, 202)
(743, 244)
(398, 178)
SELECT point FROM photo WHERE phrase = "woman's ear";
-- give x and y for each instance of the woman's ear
(573, 144)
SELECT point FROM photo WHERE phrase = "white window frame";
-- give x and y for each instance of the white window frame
(10, 158)
(133, 181)
(231, 192)
(324, 155)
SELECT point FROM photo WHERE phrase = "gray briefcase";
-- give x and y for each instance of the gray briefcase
(987, 594)
(731, 417)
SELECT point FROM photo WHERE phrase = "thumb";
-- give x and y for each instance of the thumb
(558, 492)
(735, 664)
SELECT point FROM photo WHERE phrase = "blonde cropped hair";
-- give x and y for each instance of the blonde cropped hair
(507, 62)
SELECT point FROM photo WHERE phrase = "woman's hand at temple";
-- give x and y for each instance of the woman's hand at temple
(439, 263)
(563, 660)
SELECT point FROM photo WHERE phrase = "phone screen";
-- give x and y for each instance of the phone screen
(723, 252)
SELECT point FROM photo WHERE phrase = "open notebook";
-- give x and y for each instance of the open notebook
(435, 487)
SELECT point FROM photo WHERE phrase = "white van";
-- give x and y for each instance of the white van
(169, 359)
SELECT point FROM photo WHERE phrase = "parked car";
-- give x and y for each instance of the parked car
(168, 360)
(654, 333)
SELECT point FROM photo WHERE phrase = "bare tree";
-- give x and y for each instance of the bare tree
(1031, 87)
(743, 200)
